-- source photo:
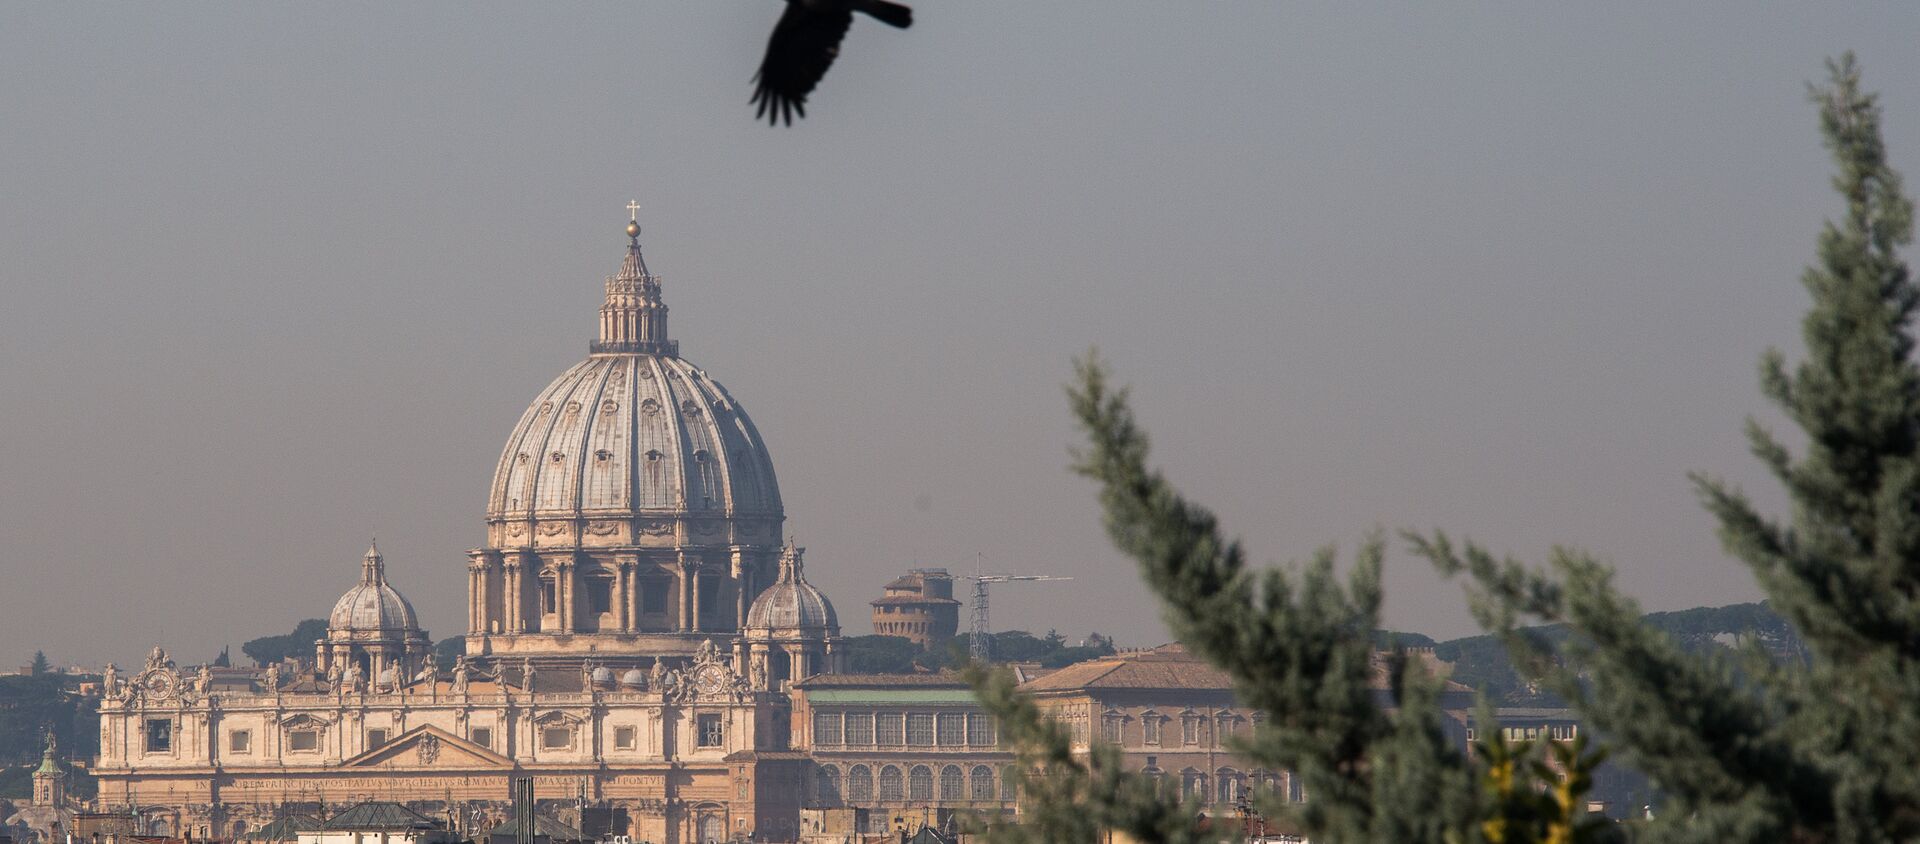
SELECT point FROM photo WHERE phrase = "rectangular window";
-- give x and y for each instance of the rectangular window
(483, 736)
(303, 740)
(600, 595)
(1189, 731)
(653, 594)
(712, 731)
(240, 741)
(1110, 729)
(920, 729)
(952, 728)
(160, 735)
(376, 738)
(556, 738)
(860, 729)
(623, 738)
(980, 730)
(1079, 729)
(826, 728)
(886, 727)
(546, 596)
(1150, 729)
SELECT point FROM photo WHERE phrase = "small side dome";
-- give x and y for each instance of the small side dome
(602, 677)
(791, 602)
(633, 679)
(372, 604)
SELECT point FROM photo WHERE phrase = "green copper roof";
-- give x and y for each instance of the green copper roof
(47, 765)
(891, 696)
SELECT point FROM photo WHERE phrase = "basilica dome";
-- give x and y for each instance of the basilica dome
(791, 603)
(634, 509)
(372, 604)
(634, 429)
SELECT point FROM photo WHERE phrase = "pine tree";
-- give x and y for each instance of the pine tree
(1826, 749)
(1744, 748)
(39, 667)
(1299, 647)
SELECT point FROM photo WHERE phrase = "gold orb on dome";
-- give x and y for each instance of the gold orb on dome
(633, 229)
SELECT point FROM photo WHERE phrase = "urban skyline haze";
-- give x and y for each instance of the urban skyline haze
(281, 277)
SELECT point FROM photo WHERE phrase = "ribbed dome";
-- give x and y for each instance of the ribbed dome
(372, 604)
(791, 602)
(634, 427)
(620, 433)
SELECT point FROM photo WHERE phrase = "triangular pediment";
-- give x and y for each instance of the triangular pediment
(428, 748)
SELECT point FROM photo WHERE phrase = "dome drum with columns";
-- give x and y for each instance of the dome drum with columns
(634, 511)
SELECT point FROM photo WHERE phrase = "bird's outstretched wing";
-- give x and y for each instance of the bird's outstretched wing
(803, 46)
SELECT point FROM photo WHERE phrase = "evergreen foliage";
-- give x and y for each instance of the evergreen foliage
(449, 650)
(224, 660)
(267, 650)
(1299, 647)
(1746, 747)
(1821, 746)
(39, 667)
(898, 655)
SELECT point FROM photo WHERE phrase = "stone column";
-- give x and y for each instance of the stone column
(693, 606)
(624, 596)
(563, 574)
(741, 587)
(510, 596)
(686, 606)
(476, 596)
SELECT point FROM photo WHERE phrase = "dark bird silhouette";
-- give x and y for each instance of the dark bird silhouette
(804, 45)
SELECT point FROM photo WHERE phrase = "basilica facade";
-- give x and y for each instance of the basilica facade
(635, 625)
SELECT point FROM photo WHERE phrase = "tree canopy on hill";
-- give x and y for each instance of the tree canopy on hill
(897, 655)
(29, 707)
(267, 650)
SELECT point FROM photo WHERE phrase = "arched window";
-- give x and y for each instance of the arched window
(920, 783)
(980, 783)
(1263, 781)
(1227, 786)
(1193, 786)
(953, 784)
(891, 786)
(829, 786)
(860, 784)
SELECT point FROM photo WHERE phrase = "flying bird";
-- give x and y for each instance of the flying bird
(803, 46)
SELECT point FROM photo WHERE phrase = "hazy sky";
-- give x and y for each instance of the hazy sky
(279, 276)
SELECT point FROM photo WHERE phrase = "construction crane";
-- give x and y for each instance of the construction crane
(980, 642)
